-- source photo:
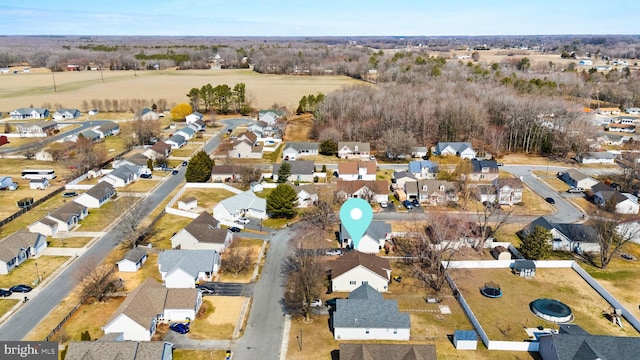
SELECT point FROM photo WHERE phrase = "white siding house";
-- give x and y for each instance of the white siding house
(354, 268)
(97, 196)
(17, 248)
(133, 260)
(184, 268)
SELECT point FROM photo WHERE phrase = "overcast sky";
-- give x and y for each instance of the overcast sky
(318, 18)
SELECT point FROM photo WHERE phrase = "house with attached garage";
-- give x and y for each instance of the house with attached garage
(29, 113)
(462, 150)
(187, 133)
(484, 170)
(39, 129)
(150, 303)
(158, 150)
(307, 194)
(566, 237)
(97, 196)
(193, 117)
(122, 176)
(575, 178)
(270, 116)
(438, 192)
(245, 149)
(224, 173)
(245, 204)
(69, 215)
(19, 247)
(372, 241)
(198, 126)
(423, 169)
(370, 351)
(45, 226)
(133, 260)
(295, 150)
(185, 268)
(107, 129)
(603, 157)
(374, 191)
(355, 268)
(353, 150)
(203, 233)
(65, 114)
(509, 191)
(301, 171)
(625, 203)
(148, 114)
(366, 315)
(176, 141)
(119, 349)
(357, 170)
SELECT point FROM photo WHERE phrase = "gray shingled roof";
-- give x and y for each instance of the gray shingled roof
(376, 230)
(190, 261)
(100, 189)
(353, 259)
(11, 245)
(350, 351)
(134, 255)
(144, 303)
(302, 146)
(569, 346)
(66, 211)
(124, 172)
(205, 229)
(102, 350)
(366, 308)
(298, 167)
(181, 298)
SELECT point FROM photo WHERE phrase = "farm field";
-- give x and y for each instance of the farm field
(36, 88)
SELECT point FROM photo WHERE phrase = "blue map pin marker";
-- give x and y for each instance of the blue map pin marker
(356, 215)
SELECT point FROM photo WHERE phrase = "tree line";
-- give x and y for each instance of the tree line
(222, 99)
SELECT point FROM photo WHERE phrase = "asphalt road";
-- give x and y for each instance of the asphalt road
(45, 299)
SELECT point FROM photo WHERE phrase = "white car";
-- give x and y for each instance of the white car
(334, 252)
(316, 303)
(384, 204)
(242, 221)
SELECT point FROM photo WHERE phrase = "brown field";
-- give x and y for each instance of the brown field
(217, 317)
(36, 88)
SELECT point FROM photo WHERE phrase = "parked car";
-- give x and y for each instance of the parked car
(243, 220)
(499, 164)
(69, 194)
(415, 203)
(5, 293)
(180, 328)
(234, 229)
(575, 190)
(384, 204)
(372, 157)
(146, 176)
(184, 163)
(407, 204)
(331, 302)
(334, 252)
(21, 288)
(174, 172)
(550, 200)
(206, 289)
(626, 256)
(316, 303)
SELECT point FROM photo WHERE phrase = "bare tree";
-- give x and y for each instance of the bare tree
(305, 278)
(248, 174)
(236, 259)
(612, 234)
(129, 225)
(96, 281)
(489, 218)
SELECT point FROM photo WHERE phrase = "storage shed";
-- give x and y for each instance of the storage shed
(465, 339)
(501, 253)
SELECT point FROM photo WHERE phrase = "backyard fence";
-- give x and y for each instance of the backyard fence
(20, 212)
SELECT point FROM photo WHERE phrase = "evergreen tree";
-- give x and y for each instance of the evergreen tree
(324, 168)
(199, 168)
(537, 244)
(281, 202)
(284, 172)
(328, 147)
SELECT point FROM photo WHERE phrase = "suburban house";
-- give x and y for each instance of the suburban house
(122, 176)
(245, 149)
(188, 203)
(625, 203)
(353, 149)
(437, 192)
(357, 170)
(401, 178)
(486, 193)
(509, 191)
(7, 183)
(148, 114)
(603, 157)
(203, 233)
(463, 150)
(610, 139)
(423, 169)
(248, 136)
(197, 126)
(575, 178)
(185, 268)
(193, 117)
(484, 170)
(245, 204)
(135, 160)
(187, 133)
(366, 315)
(38, 184)
(625, 128)
(411, 190)
(176, 141)
(158, 150)
(29, 113)
(133, 260)
(372, 241)
(295, 150)
(39, 129)
(223, 173)
(632, 111)
(301, 171)
(419, 151)
(91, 135)
(307, 194)
(107, 129)
(138, 315)
(270, 116)
(112, 350)
(374, 191)
(355, 268)
(68, 215)
(18, 247)
(45, 226)
(577, 238)
(573, 342)
(369, 351)
(64, 114)
(97, 196)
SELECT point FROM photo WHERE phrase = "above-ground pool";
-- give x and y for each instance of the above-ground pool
(491, 291)
(551, 310)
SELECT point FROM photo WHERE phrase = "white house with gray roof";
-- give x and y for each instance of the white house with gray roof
(133, 260)
(203, 233)
(463, 150)
(29, 113)
(366, 315)
(186, 132)
(575, 178)
(301, 170)
(185, 268)
(602, 157)
(353, 150)
(68, 215)
(97, 196)
(373, 239)
(355, 268)
(176, 141)
(295, 150)
(65, 114)
(18, 247)
(122, 176)
(245, 204)
(45, 226)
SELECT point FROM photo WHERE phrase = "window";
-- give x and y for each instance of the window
(366, 331)
(352, 282)
(395, 331)
(365, 282)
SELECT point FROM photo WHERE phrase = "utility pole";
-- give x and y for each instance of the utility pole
(53, 73)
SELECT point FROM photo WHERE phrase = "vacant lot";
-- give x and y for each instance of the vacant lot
(36, 88)
(207, 198)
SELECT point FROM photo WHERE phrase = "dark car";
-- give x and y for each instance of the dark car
(180, 328)
(5, 293)
(21, 288)
(174, 172)
(206, 289)
(407, 204)
(550, 200)
(234, 229)
(331, 302)
(69, 194)
(146, 176)
(415, 203)
(184, 163)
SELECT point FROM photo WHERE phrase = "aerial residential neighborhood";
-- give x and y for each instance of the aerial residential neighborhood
(190, 197)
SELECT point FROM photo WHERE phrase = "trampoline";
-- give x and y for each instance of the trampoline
(491, 290)
(551, 310)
